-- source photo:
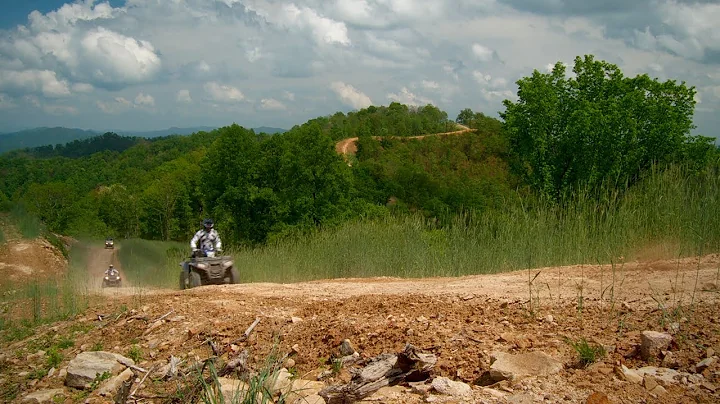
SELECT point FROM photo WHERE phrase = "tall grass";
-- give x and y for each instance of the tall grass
(29, 225)
(668, 214)
(151, 263)
(26, 305)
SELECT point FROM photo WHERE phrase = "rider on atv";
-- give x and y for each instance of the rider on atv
(206, 239)
(111, 271)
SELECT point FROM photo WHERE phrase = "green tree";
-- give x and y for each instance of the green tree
(595, 127)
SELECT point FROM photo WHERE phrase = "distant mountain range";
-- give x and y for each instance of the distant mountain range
(59, 135)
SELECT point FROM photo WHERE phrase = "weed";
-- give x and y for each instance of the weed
(99, 378)
(98, 346)
(336, 366)
(38, 373)
(65, 342)
(587, 354)
(54, 357)
(135, 353)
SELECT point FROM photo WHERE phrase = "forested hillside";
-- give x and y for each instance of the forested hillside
(562, 138)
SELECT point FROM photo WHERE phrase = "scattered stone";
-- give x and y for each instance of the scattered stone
(709, 353)
(346, 348)
(597, 398)
(708, 386)
(62, 374)
(663, 375)
(669, 360)
(280, 384)
(86, 366)
(493, 392)
(628, 374)
(301, 390)
(658, 391)
(511, 367)
(550, 319)
(296, 348)
(296, 320)
(652, 343)
(51, 372)
(704, 364)
(421, 388)
(233, 390)
(650, 383)
(290, 362)
(43, 396)
(111, 386)
(443, 385)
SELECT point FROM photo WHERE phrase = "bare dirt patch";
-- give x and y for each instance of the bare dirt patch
(460, 320)
(23, 261)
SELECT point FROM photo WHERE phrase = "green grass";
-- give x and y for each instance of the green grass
(29, 225)
(152, 263)
(24, 306)
(669, 214)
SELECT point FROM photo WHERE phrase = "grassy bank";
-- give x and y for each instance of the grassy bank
(26, 305)
(669, 214)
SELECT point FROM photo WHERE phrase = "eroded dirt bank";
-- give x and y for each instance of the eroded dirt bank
(460, 320)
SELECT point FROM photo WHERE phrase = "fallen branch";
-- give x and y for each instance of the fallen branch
(141, 381)
(165, 315)
(139, 369)
(249, 330)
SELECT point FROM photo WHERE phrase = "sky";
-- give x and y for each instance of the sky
(153, 64)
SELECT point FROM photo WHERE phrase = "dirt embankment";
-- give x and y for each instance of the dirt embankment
(26, 260)
(460, 320)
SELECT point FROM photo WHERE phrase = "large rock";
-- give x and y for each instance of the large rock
(233, 390)
(652, 343)
(86, 366)
(510, 367)
(443, 385)
(302, 389)
(279, 384)
(113, 385)
(43, 396)
(629, 375)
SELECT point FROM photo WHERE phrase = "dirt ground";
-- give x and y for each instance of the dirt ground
(460, 320)
(23, 260)
(98, 260)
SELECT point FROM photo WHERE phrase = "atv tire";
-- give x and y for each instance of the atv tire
(190, 282)
(234, 276)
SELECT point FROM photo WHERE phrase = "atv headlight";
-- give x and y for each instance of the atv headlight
(201, 266)
(106, 278)
(227, 264)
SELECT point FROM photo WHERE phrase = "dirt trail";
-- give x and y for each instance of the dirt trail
(348, 146)
(98, 261)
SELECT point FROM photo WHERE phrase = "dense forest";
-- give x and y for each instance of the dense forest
(595, 130)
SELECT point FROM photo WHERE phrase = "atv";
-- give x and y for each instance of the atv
(204, 268)
(109, 243)
(111, 280)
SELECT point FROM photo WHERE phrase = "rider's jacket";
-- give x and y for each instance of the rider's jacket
(206, 240)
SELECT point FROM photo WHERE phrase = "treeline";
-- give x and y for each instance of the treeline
(594, 131)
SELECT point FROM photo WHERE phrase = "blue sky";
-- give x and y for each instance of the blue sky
(152, 64)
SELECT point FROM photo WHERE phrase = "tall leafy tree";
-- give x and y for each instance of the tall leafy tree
(595, 127)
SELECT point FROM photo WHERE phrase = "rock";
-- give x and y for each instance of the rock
(704, 364)
(290, 362)
(86, 366)
(709, 353)
(669, 360)
(43, 396)
(597, 398)
(313, 399)
(296, 348)
(111, 386)
(62, 374)
(280, 384)
(233, 390)
(652, 343)
(708, 386)
(673, 328)
(658, 391)
(510, 367)
(296, 320)
(550, 319)
(51, 372)
(346, 348)
(629, 375)
(663, 375)
(421, 388)
(650, 383)
(443, 385)
(301, 390)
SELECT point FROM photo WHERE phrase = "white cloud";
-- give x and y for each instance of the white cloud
(482, 53)
(116, 106)
(183, 96)
(407, 97)
(290, 96)
(43, 82)
(143, 99)
(223, 93)
(350, 96)
(430, 85)
(82, 88)
(271, 104)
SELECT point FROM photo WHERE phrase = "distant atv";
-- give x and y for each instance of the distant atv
(112, 280)
(204, 268)
(109, 243)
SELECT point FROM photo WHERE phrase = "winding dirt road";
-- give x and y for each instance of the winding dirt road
(98, 261)
(349, 145)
